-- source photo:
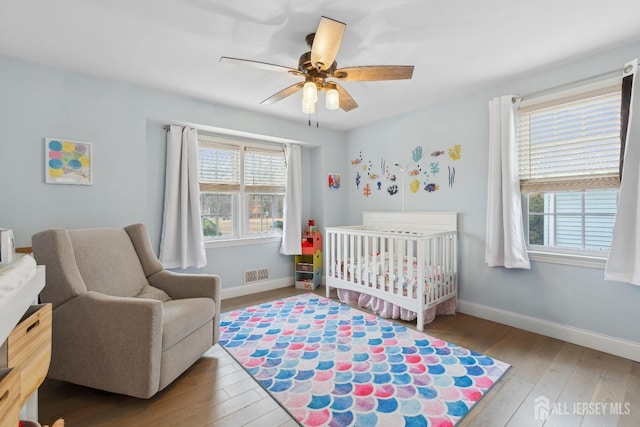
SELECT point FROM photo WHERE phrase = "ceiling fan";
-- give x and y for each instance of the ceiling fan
(318, 65)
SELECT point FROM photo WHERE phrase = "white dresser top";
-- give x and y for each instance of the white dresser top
(16, 297)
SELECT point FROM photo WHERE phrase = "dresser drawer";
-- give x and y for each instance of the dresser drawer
(9, 397)
(29, 348)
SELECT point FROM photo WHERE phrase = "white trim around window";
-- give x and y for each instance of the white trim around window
(245, 241)
(554, 257)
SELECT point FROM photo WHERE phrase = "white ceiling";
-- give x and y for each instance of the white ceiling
(457, 46)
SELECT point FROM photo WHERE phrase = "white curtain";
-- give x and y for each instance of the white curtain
(623, 263)
(292, 221)
(182, 244)
(505, 242)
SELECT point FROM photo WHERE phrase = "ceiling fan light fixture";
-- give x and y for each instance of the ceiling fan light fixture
(332, 98)
(308, 107)
(310, 92)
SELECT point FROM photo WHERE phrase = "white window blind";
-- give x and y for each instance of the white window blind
(571, 142)
(219, 165)
(264, 170)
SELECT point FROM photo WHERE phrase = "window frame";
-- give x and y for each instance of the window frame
(240, 198)
(556, 255)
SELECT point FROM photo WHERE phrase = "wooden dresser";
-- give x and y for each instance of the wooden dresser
(25, 351)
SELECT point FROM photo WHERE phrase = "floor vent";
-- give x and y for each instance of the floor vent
(252, 276)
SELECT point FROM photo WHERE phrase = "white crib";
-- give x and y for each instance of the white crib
(406, 258)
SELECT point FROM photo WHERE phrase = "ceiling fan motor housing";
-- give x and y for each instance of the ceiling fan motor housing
(315, 74)
(306, 66)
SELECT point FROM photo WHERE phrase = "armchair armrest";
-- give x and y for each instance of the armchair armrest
(180, 285)
(123, 353)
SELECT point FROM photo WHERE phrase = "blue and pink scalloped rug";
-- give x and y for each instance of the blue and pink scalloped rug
(329, 364)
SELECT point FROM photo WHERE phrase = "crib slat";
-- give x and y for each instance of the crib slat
(383, 262)
(359, 246)
(366, 254)
(332, 255)
(420, 273)
(409, 266)
(398, 269)
(374, 262)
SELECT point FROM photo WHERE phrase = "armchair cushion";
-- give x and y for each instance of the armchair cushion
(108, 262)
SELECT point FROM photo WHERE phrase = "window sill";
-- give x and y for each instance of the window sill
(242, 242)
(588, 261)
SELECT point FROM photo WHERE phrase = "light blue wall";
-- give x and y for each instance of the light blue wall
(572, 296)
(125, 124)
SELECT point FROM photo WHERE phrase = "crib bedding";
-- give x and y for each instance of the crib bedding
(388, 310)
(381, 274)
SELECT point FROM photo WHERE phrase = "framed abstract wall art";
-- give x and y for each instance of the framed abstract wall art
(333, 181)
(68, 162)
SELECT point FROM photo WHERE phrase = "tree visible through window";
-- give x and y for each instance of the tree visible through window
(217, 211)
(536, 220)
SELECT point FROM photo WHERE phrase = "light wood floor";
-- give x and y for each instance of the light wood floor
(216, 391)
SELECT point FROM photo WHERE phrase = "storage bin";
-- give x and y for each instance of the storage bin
(303, 266)
(9, 397)
(309, 284)
(29, 349)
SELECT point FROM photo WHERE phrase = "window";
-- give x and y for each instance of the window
(580, 220)
(242, 187)
(569, 166)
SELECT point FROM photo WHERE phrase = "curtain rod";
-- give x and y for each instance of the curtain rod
(232, 137)
(568, 84)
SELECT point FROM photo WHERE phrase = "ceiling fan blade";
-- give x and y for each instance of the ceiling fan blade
(347, 103)
(260, 65)
(326, 42)
(283, 93)
(375, 72)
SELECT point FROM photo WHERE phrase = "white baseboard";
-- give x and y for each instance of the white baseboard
(267, 285)
(583, 337)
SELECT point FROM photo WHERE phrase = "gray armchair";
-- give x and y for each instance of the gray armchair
(122, 323)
